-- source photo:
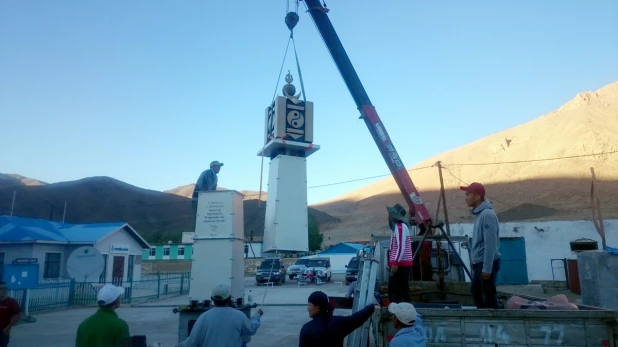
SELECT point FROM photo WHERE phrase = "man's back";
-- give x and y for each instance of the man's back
(103, 329)
(221, 327)
(330, 331)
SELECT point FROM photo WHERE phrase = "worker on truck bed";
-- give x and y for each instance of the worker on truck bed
(326, 330)
(400, 255)
(222, 325)
(484, 248)
(206, 182)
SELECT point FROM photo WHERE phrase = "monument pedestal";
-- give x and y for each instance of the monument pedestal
(286, 220)
(218, 244)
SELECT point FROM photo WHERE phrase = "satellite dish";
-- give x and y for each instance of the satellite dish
(85, 264)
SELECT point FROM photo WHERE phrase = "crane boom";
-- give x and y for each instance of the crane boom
(369, 115)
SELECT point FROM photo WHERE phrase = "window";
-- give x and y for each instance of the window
(166, 251)
(52, 265)
(181, 251)
(103, 276)
(1, 264)
(153, 251)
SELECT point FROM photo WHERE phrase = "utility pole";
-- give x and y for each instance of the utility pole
(13, 204)
(443, 198)
(65, 211)
(51, 211)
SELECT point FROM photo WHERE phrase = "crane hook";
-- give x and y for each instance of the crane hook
(291, 19)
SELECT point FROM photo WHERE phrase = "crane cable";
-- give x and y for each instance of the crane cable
(291, 19)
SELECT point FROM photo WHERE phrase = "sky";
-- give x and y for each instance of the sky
(150, 92)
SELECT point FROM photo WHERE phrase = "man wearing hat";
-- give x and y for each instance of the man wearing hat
(222, 325)
(409, 325)
(400, 255)
(206, 182)
(485, 247)
(104, 328)
(326, 330)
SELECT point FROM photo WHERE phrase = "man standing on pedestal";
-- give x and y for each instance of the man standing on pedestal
(207, 182)
(400, 256)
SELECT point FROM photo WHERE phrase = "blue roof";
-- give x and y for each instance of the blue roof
(343, 248)
(19, 229)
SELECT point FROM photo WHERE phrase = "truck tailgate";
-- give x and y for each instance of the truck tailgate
(457, 327)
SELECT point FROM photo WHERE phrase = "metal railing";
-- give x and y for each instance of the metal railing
(62, 293)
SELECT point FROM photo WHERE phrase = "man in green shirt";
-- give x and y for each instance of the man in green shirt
(104, 328)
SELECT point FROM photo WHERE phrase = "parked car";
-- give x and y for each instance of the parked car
(270, 270)
(297, 268)
(320, 267)
(351, 272)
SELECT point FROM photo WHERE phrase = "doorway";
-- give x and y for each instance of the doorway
(118, 270)
(513, 265)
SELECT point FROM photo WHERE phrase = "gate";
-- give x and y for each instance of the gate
(513, 266)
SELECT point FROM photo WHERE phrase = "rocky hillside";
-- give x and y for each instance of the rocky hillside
(536, 171)
(158, 216)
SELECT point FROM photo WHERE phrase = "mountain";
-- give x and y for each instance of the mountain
(514, 165)
(187, 192)
(13, 180)
(158, 216)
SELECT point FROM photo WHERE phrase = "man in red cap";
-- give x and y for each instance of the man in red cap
(484, 248)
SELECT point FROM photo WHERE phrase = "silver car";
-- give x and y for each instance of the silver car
(297, 268)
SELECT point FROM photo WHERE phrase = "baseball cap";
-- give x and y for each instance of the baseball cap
(474, 188)
(404, 311)
(108, 294)
(220, 292)
(215, 163)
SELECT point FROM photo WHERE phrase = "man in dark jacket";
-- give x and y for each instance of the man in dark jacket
(326, 330)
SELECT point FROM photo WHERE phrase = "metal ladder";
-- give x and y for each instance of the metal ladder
(364, 295)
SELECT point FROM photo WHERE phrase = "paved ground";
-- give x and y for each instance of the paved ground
(280, 324)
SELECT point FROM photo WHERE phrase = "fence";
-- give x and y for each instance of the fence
(61, 293)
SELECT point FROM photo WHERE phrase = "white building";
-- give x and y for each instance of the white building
(52, 242)
(531, 250)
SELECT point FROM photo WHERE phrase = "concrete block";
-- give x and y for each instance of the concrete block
(598, 276)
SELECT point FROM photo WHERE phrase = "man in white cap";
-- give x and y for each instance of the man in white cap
(222, 325)
(409, 325)
(104, 328)
(206, 182)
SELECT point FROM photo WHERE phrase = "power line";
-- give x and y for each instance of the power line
(535, 160)
(466, 183)
(364, 178)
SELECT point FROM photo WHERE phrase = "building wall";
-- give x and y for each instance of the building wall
(255, 250)
(546, 241)
(161, 252)
(39, 251)
(11, 252)
(121, 237)
(187, 237)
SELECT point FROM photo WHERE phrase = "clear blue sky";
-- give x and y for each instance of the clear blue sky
(149, 92)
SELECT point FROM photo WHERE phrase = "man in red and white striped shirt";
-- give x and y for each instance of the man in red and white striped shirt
(400, 255)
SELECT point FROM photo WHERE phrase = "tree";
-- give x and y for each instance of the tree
(315, 236)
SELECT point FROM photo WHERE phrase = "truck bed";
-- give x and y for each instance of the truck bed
(588, 326)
